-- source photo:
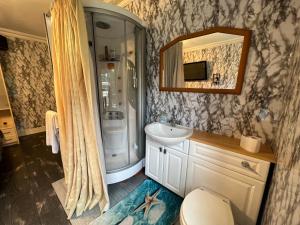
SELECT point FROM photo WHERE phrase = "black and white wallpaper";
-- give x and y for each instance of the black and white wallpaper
(284, 200)
(257, 110)
(222, 59)
(269, 103)
(28, 75)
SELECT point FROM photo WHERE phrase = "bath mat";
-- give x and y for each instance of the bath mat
(150, 203)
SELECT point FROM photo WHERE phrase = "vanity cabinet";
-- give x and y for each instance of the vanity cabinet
(174, 171)
(154, 161)
(237, 177)
(167, 165)
(216, 163)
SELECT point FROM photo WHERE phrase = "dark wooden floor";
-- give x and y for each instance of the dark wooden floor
(26, 174)
(120, 190)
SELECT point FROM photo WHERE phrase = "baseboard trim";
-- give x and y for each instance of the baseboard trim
(24, 132)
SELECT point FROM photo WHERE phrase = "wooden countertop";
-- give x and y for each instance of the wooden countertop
(233, 145)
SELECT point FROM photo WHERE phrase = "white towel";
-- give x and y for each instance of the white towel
(52, 131)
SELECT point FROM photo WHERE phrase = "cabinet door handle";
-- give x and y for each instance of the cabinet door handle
(160, 149)
(165, 151)
(246, 165)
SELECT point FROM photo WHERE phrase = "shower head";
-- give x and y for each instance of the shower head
(102, 25)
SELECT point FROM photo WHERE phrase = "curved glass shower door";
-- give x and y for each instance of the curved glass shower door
(115, 41)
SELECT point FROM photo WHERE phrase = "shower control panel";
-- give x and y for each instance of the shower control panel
(114, 115)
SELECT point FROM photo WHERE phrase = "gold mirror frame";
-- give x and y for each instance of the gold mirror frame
(242, 67)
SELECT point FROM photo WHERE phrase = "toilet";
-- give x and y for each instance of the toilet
(203, 207)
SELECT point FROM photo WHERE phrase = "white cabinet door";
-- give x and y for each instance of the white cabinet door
(175, 166)
(154, 161)
(255, 168)
(245, 193)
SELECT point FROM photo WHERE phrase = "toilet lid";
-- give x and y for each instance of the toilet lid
(201, 207)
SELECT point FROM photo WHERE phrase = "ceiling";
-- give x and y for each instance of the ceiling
(210, 39)
(27, 15)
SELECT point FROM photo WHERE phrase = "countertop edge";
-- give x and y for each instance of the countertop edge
(232, 145)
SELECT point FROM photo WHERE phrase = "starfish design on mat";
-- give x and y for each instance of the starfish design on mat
(149, 202)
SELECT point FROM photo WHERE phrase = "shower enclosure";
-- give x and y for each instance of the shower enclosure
(117, 48)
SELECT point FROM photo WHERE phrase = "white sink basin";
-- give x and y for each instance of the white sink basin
(167, 134)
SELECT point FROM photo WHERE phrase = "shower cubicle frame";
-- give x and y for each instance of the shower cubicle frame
(131, 169)
(94, 6)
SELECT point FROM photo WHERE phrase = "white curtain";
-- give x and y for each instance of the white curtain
(173, 66)
(80, 138)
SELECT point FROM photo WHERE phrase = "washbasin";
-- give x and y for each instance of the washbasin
(167, 134)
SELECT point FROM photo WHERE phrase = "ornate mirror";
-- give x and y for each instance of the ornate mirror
(209, 61)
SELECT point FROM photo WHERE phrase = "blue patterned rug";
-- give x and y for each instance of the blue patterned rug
(149, 203)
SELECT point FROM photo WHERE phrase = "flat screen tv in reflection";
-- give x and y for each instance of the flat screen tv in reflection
(195, 71)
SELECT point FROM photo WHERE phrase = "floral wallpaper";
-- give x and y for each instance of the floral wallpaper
(28, 75)
(223, 59)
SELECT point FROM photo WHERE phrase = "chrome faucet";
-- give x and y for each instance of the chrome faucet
(163, 118)
(173, 121)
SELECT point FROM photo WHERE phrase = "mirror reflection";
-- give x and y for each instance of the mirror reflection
(210, 61)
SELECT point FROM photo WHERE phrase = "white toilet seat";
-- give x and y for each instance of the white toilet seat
(202, 207)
